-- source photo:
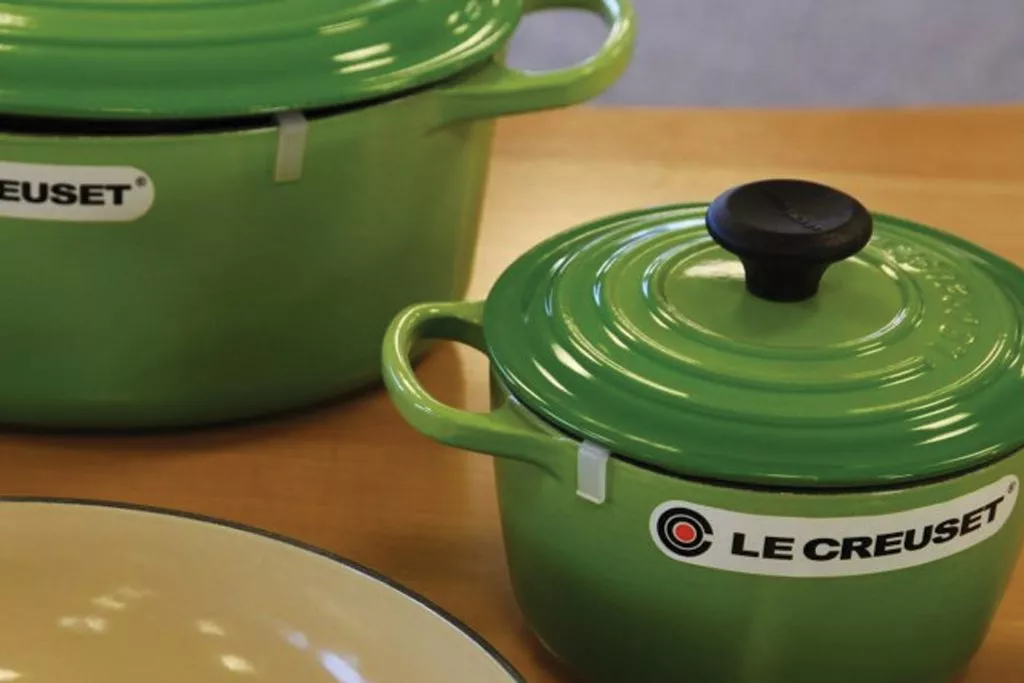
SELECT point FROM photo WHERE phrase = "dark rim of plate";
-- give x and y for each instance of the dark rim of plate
(475, 637)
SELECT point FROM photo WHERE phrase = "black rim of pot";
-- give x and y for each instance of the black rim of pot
(58, 126)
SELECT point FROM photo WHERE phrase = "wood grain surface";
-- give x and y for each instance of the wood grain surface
(353, 478)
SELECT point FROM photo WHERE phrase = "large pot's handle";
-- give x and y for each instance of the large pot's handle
(499, 90)
(501, 432)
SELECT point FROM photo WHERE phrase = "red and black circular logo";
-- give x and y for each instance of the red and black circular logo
(684, 532)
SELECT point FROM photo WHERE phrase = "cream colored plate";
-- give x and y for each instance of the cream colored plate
(100, 594)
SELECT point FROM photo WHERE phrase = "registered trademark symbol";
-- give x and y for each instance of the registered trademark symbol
(140, 181)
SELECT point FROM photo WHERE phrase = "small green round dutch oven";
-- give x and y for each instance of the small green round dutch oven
(777, 439)
(212, 210)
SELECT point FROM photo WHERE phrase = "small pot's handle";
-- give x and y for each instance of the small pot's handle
(501, 432)
(499, 90)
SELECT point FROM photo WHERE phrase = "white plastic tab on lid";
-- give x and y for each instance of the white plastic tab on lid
(291, 146)
(592, 472)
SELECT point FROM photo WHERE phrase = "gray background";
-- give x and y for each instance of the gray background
(800, 53)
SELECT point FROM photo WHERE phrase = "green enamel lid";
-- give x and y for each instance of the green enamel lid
(214, 58)
(781, 336)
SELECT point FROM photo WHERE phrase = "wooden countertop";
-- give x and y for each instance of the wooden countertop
(354, 479)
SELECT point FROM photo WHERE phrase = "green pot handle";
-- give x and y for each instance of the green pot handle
(503, 432)
(499, 90)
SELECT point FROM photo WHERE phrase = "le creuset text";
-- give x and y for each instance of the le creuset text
(63, 194)
(878, 545)
(831, 546)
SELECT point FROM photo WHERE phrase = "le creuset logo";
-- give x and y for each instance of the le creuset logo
(74, 193)
(684, 532)
(830, 546)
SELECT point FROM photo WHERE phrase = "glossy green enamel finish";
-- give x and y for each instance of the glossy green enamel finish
(601, 596)
(203, 58)
(637, 333)
(237, 295)
(507, 431)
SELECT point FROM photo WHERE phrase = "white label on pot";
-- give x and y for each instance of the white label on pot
(49, 192)
(830, 546)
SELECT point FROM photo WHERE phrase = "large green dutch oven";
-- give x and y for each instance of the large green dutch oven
(723, 460)
(212, 210)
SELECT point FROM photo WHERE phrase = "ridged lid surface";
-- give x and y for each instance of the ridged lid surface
(824, 347)
(215, 58)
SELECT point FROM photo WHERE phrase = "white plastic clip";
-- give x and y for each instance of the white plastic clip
(292, 128)
(592, 472)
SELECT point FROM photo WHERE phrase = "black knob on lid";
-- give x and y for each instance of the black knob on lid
(787, 233)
